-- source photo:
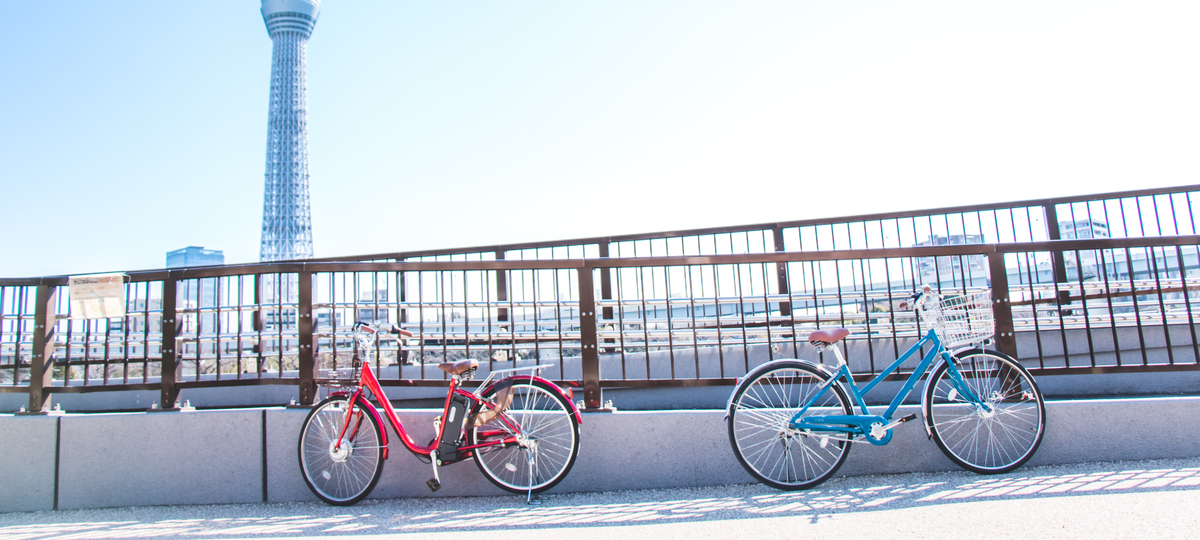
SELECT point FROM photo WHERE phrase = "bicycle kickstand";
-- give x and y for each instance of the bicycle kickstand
(529, 495)
(434, 483)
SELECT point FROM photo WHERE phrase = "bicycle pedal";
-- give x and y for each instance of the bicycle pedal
(893, 424)
(433, 484)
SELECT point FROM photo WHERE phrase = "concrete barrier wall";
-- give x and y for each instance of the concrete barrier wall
(109, 460)
(160, 458)
(28, 456)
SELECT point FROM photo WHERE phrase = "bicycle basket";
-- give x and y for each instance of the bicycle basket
(962, 320)
(338, 372)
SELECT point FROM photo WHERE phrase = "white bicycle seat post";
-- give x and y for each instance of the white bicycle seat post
(837, 353)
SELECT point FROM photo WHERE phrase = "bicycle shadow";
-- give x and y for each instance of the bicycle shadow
(840, 495)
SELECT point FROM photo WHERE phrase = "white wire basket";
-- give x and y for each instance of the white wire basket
(961, 320)
(337, 372)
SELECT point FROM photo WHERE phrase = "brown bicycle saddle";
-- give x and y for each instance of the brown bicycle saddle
(459, 367)
(828, 337)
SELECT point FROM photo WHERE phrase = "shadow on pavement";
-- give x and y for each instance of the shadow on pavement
(643, 507)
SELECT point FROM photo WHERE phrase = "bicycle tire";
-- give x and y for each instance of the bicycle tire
(763, 404)
(346, 475)
(550, 439)
(986, 442)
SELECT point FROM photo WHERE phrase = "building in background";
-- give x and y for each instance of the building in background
(970, 270)
(194, 256)
(196, 295)
(1087, 228)
(287, 219)
(1084, 265)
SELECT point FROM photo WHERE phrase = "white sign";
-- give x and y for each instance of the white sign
(98, 296)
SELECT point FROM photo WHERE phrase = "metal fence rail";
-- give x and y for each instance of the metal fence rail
(658, 315)
(1138, 213)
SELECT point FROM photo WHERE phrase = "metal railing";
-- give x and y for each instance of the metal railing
(673, 309)
(1127, 214)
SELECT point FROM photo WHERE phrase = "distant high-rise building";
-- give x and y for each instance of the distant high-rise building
(1085, 228)
(1086, 264)
(966, 269)
(194, 256)
(287, 220)
(196, 293)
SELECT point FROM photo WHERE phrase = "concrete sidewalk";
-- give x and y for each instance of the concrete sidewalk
(1135, 499)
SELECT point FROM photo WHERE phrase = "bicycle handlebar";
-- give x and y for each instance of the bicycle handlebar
(925, 296)
(387, 329)
(400, 331)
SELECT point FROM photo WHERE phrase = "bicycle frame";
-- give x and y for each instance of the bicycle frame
(367, 382)
(876, 429)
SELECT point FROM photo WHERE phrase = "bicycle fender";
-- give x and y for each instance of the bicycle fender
(765, 367)
(531, 378)
(925, 411)
(925, 405)
(383, 435)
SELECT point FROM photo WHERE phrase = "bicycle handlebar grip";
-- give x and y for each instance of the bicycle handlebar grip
(400, 331)
(925, 296)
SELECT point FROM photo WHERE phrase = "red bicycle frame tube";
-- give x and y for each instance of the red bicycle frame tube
(351, 400)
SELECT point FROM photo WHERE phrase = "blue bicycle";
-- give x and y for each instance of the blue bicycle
(791, 422)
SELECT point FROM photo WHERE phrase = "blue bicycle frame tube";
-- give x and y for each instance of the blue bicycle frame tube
(843, 372)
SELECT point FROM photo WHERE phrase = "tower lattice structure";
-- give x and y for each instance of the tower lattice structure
(287, 216)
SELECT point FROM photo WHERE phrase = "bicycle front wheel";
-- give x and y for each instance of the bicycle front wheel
(777, 455)
(543, 436)
(340, 474)
(991, 439)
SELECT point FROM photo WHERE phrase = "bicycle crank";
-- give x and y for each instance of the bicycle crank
(879, 431)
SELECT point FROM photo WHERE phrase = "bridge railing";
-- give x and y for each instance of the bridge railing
(1082, 305)
(1127, 214)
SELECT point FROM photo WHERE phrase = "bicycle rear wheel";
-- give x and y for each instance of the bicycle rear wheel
(775, 454)
(547, 439)
(345, 474)
(986, 441)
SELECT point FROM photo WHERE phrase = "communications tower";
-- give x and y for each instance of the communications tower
(287, 219)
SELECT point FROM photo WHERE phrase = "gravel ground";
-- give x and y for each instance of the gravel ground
(1159, 498)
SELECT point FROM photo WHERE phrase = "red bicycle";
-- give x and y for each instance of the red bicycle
(522, 430)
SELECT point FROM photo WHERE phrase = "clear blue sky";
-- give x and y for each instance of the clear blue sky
(132, 128)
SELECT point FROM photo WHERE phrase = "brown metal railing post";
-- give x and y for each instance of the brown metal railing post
(606, 291)
(308, 386)
(785, 308)
(606, 281)
(168, 391)
(1058, 261)
(501, 288)
(41, 365)
(587, 340)
(1006, 341)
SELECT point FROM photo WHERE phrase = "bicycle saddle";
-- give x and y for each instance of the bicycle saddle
(459, 367)
(828, 337)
